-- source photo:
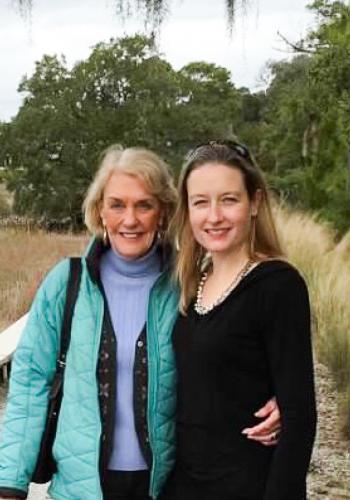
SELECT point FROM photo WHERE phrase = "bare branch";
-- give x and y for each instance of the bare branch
(297, 47)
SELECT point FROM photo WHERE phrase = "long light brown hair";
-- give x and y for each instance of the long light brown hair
(264, 239)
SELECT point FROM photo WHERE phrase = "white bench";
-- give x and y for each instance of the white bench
(9, 339)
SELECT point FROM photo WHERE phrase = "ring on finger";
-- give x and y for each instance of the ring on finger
(274, 435)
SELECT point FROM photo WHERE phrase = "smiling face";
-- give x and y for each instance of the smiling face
(131, 215)
(220, 210)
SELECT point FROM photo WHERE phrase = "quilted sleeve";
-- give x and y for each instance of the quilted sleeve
(32, 372)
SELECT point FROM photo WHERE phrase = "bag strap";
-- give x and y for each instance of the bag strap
(73, 285)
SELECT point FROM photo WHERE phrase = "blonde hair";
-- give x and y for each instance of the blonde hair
(139, 162)
(191, 256)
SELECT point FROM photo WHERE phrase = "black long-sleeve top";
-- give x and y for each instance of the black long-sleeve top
(254, 345)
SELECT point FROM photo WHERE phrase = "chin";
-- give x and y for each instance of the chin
(132, 255)
(218, 246)
(218, 250)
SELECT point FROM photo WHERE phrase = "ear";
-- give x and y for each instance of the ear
(256, 202)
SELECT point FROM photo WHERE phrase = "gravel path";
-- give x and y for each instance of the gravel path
(329, 478)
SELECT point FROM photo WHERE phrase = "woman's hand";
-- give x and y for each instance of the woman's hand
(267, 432)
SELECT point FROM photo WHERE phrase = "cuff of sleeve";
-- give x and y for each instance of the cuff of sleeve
(12, 493)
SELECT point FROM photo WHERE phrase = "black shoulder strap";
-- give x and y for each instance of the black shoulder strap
(71, 297)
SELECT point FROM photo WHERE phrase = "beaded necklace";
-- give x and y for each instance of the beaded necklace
(198, 306)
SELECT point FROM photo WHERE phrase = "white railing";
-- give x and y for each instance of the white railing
(9, 339)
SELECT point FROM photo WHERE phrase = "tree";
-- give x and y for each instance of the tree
(37, 145)
(330, 84)
(302, 145)
(207, 104)
(123, 93)
(299, 128)
(286, 114)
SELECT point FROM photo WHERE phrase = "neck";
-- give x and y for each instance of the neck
(142, 266)
(225, 263)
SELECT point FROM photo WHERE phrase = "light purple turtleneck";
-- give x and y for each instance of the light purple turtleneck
(127, 284)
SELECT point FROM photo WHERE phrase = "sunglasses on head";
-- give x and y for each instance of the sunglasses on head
(240, 149)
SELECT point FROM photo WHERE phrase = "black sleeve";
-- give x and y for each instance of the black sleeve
(287, 339)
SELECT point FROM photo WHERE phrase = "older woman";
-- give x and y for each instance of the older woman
(116, 436)
(243, 335)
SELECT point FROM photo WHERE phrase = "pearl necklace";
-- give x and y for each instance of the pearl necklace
(198, 306)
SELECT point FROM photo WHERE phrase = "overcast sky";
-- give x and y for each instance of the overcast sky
(195, 31)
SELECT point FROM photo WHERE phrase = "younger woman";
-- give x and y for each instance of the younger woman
(243, 336)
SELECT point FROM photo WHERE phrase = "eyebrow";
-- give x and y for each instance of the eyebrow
(195, 196)
(235, 193)
(116, 198)
(200, 195)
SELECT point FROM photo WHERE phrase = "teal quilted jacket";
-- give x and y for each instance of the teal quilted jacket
(77, 444)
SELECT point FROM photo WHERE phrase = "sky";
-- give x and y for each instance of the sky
(196, 30)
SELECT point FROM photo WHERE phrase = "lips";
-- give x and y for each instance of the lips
(217, 231)
(130, 235)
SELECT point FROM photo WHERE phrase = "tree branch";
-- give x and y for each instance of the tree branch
(297, 47)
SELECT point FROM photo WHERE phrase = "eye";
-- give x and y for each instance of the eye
(229, 200)
(199, 203)
(145, 206)
(117, 205)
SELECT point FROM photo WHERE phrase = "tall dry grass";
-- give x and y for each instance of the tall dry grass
(312, 247)
(25, 257)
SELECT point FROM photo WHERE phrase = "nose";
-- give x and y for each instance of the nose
(130, 219)
(215, 214)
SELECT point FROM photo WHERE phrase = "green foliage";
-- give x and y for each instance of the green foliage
(207, 106)
(286, 147)
(302, 133)
(123, 93)
(330, 81)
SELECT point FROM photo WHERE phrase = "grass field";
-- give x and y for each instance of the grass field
(25, 257)
(325, 263)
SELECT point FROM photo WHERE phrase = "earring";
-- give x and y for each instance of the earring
(105, 236)
(252, 236)
(160, 236)
(160, 232)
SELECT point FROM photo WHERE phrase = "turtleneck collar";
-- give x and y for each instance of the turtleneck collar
(137, 268)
